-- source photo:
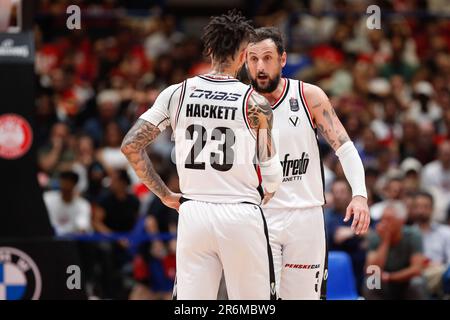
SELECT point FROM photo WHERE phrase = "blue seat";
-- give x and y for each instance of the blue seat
(341, 284)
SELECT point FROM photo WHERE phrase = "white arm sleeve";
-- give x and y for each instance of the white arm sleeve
(166, 104)
(353, 168)
(271, 173)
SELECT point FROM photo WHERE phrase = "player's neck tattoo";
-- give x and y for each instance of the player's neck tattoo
(223, 69)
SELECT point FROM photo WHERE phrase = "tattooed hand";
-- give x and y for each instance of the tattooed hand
(133, 147)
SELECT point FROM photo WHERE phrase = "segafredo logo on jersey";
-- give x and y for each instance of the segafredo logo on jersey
(215, 95)
(20, 278)
(294, 168)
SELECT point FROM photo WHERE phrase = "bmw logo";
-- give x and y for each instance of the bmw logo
(20, 278)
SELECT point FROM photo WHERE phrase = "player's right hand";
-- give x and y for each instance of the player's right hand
(267, 196)
(172, 200)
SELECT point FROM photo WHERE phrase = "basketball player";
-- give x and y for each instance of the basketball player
(294, 215)
(220, 126)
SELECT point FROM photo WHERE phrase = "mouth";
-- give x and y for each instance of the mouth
(262, 77)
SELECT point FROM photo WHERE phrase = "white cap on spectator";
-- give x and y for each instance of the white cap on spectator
(379, 86)
(108, 96)
(423, 87)
(411, 164)
(400, 210)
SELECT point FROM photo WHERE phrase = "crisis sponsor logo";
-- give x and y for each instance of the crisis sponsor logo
(215, 95)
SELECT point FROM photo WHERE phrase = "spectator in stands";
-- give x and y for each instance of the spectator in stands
(339, 234)
(423, 108)
(411, 169)
(118, 209)
(68, 212)
(397, 250)
(436, 241)
(109, 154)
(84, 158)
(108, 110)
(436, 175)
(58, 154)
(393, 190)
(407, 144)
(116, 212)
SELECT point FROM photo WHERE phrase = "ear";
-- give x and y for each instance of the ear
(283, 59)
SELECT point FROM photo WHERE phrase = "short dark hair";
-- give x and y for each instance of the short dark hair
(272, 33)
(424, 194)
(69, 175)
(123, 176)
(224, 34)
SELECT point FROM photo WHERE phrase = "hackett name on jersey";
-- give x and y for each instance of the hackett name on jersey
(209, 111)
(295, 167)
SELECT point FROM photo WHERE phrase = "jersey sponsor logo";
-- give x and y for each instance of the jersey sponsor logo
(293, 102)
(215, 95)
(294, 168)
(20, 278)
(302, 266)
(294, 121)
(210, 111)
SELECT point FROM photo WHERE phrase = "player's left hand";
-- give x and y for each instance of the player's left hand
(361, 218)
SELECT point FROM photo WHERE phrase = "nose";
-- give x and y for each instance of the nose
(260, 66)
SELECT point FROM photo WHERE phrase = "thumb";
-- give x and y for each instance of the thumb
(348, 213)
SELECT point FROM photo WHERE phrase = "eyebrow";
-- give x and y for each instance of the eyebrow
(265, 52)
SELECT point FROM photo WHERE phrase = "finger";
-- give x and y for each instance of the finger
(355, 219)
(366, 226)
(361, 223)
(348, 213)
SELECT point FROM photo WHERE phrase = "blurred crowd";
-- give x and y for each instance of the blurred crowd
(390, 87)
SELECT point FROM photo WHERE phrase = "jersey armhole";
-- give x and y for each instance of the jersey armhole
(305, 105)
(180, 102)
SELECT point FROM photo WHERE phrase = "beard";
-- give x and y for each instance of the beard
(272, 83)
(421, 218)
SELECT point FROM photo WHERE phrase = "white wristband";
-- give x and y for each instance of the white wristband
(353, 168)
(271, 173)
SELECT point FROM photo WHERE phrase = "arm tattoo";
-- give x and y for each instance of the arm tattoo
(331, 131)
(134, 145)
(326, 134)
(327, 117)
(260, 118)
(258, 107)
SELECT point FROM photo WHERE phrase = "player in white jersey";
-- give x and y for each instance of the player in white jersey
(220, 127)
(294, 215)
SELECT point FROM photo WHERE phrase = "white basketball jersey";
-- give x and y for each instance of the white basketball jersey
(296, 140)
(215, 147)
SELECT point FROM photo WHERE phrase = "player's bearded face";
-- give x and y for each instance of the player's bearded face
(264, 82)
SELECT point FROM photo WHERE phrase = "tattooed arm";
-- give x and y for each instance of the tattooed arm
(333, 131)
(325, 117)
(133, 147)
(260, 120)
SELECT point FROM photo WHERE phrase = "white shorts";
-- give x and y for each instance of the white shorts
(297, 237)
(231, 237)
